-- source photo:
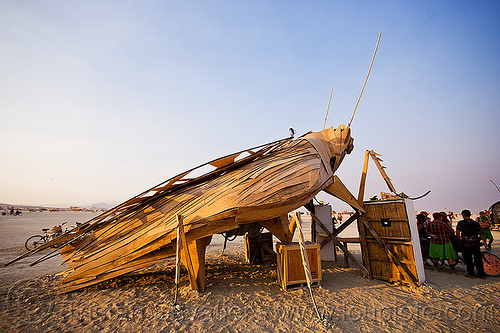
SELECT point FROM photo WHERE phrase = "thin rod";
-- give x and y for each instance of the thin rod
(46, 257)
(495, 185)
(178, 256)
(369, 70)
(305, 262)
(328, 107)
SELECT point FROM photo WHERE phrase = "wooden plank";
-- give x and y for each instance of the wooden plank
(347, 223)
(291, 229)
(141, 244)
(362, 183)
(374, 240)
(222, 162)
(381, 168)
(364, 245)
(104, 264)
(348, 239)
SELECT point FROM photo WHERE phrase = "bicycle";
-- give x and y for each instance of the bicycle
(48, 234)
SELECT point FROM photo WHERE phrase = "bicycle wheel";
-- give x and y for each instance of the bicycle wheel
(33, 242)
(491, 263)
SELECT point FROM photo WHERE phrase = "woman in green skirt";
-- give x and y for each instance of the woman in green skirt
(440, 245)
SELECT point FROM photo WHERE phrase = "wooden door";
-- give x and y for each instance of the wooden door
(392, 247)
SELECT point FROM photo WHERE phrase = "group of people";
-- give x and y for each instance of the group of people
(440, 241)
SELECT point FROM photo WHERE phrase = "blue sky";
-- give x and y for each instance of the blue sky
(100, 100)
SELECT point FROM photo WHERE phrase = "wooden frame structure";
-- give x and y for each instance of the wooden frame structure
(391, 252)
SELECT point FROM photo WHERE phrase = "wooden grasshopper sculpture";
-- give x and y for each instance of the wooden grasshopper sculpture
(263, 186)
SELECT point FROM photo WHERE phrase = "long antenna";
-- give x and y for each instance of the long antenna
(495, 185)
(328, 107)
(373, 58)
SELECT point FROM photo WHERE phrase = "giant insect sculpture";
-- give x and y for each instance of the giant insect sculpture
(260, 185)
(263, 186)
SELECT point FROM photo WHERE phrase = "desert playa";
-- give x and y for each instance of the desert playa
(239, 297)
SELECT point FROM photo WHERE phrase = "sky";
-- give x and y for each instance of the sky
(101, 100)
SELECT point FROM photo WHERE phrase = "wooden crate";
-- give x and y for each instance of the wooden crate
(289, 264)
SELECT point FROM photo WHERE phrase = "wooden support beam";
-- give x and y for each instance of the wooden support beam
(346, 258)
(402, 268)
(338, 230)
(197, 250)
(362, 268)
(364, 245)
(338, 190)
(362, 183)
(341, 246)
(311, 208)
(361, 229)
(291, 229)
(381, 168)
(318, 221)
(349, 239)
(277, 227)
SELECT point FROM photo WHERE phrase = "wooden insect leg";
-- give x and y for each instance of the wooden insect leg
(197, 249)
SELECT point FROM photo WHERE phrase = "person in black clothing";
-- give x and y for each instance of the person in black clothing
(470, 233)
(422, 234)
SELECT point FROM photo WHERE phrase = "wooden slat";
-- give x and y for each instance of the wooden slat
(348, 239)
(222, 162)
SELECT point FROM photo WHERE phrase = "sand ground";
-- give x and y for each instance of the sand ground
(239, 297)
